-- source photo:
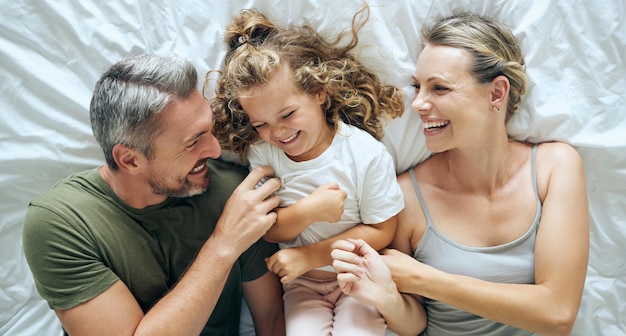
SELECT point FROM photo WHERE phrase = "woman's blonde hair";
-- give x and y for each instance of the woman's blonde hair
(494, 49)
(258, 48)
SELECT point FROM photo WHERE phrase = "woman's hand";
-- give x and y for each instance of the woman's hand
(361, 272)
(398, 264)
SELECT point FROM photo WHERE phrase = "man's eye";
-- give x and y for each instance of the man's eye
(288, 115)
(192, 144)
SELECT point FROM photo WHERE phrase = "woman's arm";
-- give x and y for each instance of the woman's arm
(548, 307)
(362, 274)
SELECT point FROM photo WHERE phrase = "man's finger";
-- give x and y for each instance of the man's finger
(256, 175)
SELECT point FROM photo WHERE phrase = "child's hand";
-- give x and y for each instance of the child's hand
(288, 264)
(325, 204)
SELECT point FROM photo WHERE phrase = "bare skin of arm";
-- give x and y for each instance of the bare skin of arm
(291, 263)
(548, 307)
(186, 308)
(362, 274)
(325, 204)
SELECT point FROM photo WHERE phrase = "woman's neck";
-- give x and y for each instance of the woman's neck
(482, 169)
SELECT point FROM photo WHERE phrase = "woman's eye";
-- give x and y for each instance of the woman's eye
(416, 87)
(288, 115)
(440, 88)
(257, 126)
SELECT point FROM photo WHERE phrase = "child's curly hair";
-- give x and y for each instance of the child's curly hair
(257, 50)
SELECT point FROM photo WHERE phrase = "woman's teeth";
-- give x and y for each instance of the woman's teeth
(434, 124)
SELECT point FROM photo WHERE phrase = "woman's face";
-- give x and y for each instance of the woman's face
(451, 104)
(288, 119)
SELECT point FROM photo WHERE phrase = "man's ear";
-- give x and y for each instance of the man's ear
(127, 158)
(500, 91)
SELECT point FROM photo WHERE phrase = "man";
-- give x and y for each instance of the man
(163, 239)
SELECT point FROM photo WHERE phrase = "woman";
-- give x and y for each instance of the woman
(498, 228)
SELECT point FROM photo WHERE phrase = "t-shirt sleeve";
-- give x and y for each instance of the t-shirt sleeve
(259, 155)
(252, 261)
(63, 259)
(381, 197)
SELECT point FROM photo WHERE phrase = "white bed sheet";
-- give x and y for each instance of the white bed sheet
(52, 52)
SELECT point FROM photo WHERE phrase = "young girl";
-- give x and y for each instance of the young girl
(305, 106)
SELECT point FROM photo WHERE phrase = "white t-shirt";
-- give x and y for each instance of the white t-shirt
(356, 161)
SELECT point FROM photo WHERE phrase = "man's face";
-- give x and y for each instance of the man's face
(178, 164)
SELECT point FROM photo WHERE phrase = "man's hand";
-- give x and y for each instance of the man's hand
(248, 213)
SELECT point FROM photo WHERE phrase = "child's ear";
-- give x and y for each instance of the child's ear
(321, 95)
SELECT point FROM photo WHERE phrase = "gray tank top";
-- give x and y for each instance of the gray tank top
(512, 262)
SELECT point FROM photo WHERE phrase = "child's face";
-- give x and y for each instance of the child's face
(288, 119)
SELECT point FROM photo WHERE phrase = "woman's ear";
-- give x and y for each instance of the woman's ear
(127, 158)
(499, 91)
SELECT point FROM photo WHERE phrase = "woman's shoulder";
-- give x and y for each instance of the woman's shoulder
(557, 151)
(557, 155)
(557, 163)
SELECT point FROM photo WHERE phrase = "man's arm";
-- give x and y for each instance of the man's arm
(264, 297)
(184, 310)
(187, 307)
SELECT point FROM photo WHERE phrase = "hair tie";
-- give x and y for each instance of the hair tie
(243, 39)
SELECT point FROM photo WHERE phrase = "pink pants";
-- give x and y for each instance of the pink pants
(318, 307)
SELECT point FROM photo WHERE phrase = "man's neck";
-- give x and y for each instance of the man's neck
(133, 190)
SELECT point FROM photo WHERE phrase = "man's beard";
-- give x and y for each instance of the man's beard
(184, 188)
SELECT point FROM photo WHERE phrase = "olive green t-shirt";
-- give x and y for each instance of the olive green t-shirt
(80, 238)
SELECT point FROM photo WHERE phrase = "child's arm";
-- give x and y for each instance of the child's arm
(325, 204)
(378, 236)
(293, 262)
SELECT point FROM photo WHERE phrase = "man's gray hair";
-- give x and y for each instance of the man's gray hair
(129, 97)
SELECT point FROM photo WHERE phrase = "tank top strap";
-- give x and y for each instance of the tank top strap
(429, 222)
(533, 171)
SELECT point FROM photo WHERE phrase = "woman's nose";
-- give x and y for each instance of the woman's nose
(420, 103)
